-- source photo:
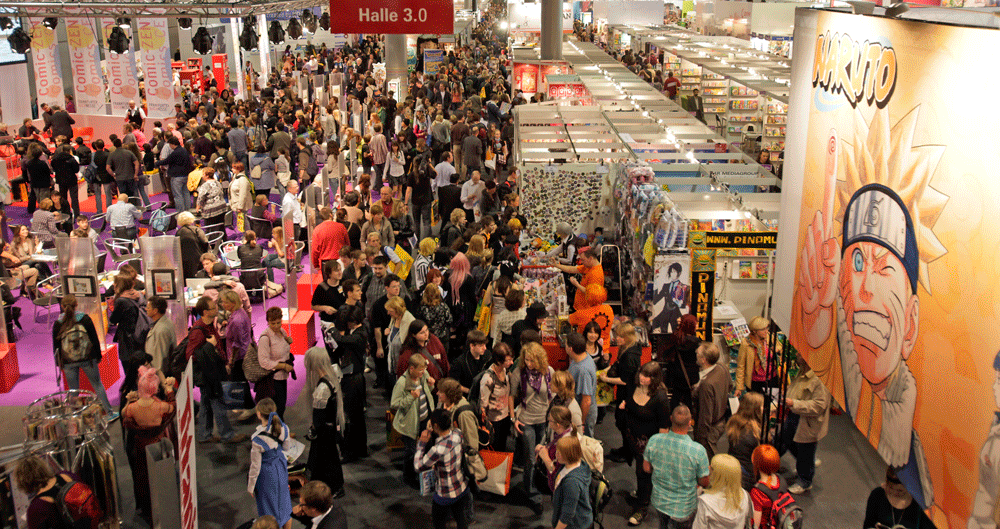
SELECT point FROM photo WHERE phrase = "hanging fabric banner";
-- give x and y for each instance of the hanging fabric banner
(120, 69)
(86, 62)
(155, 45)
(45, 57)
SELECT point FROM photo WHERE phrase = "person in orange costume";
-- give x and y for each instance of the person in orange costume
(593, 274)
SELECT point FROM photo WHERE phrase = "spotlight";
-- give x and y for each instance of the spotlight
(124, 23)
(248, 39)
(20, 41)
(309, 21)
(294, 29)
(201, 42)
(118, 40)
(6, 23)
(50, 22)
(276, 34)
(324, 21)
(184, 23)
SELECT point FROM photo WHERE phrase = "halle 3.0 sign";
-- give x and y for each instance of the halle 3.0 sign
(392, 16)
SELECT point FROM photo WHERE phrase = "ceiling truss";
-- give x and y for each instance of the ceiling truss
(201, 9)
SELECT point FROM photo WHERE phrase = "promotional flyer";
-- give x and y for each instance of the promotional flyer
(894, 305)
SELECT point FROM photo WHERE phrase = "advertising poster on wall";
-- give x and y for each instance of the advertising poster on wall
(120, 72)
(671, 290)
(526, 78)
(432, 61)
(88, 83)
(155, 46)
(45, 57)
(894, 304)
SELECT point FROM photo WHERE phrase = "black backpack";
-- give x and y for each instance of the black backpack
(600, 495)
(177, 362)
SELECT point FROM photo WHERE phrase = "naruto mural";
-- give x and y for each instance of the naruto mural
(900, 195)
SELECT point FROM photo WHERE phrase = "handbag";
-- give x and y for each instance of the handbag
(498, 466)
(234, 394)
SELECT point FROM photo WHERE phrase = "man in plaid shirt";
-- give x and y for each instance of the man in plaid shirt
(445, 458)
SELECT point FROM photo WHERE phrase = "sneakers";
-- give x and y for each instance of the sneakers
(798, 488)
(818, 462)
(637, 517)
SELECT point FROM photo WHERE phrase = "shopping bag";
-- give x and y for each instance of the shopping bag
(234, 394)
(164, 491)
(427, 480)
(393, 439)
(498, 465)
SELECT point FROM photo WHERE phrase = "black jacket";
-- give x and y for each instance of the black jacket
(62, 124)
(65, 167)
(449, 198)
(179, 162)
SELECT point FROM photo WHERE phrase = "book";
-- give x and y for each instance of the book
(746, 270)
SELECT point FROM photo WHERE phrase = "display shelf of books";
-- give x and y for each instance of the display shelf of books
(690, 77)
(774, 125)
(671, 63)
(716, 87)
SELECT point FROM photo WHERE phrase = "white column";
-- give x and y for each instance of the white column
(552, 31)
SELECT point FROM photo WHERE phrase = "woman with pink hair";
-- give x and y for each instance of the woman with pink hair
(462, 298)
(148, 419)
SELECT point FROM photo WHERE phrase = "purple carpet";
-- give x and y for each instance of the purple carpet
(34, 343)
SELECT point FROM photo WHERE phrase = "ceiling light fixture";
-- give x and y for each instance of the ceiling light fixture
(118, 41)
(294, 28)
(324, 21)
(276, 33)
(6, 23)
(185, 23)
(249, 39)
(124, 22)
(202, 41)
(50, 22)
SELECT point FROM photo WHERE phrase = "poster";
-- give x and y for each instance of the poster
(411, 53)
(120, 71)
(900, 194)
(88, 83)
(45, 58)
(432, 61)
(155, 46)
(671, 290)
(526, 78)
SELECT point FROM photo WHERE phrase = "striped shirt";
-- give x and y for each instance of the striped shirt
(678, 462)
(445, 458)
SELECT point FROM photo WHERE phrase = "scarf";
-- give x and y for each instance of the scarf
(534, 379)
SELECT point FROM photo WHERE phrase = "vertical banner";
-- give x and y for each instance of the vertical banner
(45, 57)
(703, 291)
(88, 81)
(895, 302)
(121, 72)
(185, 450)
(264, 49)
(432, 61)
(411, 53)
(154, 44)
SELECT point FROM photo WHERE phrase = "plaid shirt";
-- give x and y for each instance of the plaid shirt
(678, 462)
(445, 457)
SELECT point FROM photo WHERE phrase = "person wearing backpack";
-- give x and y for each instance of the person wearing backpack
(77, 347)
(465, 418)
(57, 500)
(769, 487)
(130, 318)
(571, 507)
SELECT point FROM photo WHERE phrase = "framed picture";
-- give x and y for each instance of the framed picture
(81, 286)
(164, 283)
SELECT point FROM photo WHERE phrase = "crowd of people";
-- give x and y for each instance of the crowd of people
(454, 346)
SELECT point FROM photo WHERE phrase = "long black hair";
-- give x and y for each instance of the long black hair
(411, 337)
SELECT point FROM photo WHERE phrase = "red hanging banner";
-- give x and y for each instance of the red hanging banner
(392, 16)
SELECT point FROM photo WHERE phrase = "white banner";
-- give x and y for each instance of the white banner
(45, 57)
(120, 72)
(186, 450)
(154, 44)
(88, 81)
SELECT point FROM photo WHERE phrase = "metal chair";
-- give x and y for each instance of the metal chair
(121, 253)
(99, 222)
(254, 280)
(215, 240)
(49, 295)
(102, 260)
(262, 227)
(229, 221)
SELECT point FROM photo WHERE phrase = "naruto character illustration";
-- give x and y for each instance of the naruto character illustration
(985, 507)
(866, 283)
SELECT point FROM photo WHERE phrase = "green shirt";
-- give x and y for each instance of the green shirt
(678, 463)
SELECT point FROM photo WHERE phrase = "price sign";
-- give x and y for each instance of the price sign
(392, 16)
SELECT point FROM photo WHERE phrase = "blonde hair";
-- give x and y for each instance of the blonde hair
(627, 332)
(428, 246)
(477, 245)
(536, 353)
(726, 479)
(749, 415)
(564, 385)
(396, 304)
(759, 323)
(432, 296)
(184, 218)
(376, 209)
(456, 215)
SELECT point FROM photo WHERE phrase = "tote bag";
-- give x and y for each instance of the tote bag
(498, 466)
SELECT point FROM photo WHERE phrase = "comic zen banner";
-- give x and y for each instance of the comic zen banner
(896, 279)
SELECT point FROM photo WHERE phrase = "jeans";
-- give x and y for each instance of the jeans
(805, 453)
(667, 522)
(70, 195)
(213, 409)
(272, 261)
(129, 187)
(440, 513)
(531, 436)
(37, 194)
(456, 155)
(182, 197)
(422, 220)
(108, 190)
(89, 367)
(379, 170)
(142, 192)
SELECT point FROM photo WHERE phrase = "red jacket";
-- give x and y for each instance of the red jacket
(328, 238)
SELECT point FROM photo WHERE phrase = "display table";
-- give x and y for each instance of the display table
(110, 372)
(559, 361)
(10, 372)
(305, 288)
(302, 329)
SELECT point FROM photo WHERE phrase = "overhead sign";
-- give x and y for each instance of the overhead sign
(392, 17)
(760, 240)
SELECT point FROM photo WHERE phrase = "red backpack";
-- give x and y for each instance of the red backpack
(78, 505)
(785, 513)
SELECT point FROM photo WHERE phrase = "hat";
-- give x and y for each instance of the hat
(876, 214)
(759, 323)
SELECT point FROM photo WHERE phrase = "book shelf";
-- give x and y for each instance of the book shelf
(743, 110)
(775, 120)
